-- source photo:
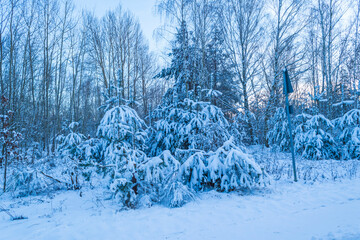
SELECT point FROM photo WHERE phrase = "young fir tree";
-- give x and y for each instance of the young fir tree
(278, 134)
(349, 124)
(213, 81)
(160, 183)
(220, 74)
(313, 139)
(181, 69)
(71, 154)
(122, 131)
(93, 150)
(182, 121)
(226, 169)
(240, 128)
(188, 125)
(181, 130)
(300, 127)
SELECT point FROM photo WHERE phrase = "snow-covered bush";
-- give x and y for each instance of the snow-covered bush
(176, 194)
(158, 170)
(301, 119)
(313, 139)
(161, 183)
(226, 169)
(38, 176)
(25, 181)
(71, 154)
(300, 127)
(188, 125)
(278, 134)
(92, 150)
(242, 128)
(349, 124)
(122, 130)
(193, 171)
(174, 183)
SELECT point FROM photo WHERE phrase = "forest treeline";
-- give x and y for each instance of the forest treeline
(59, 65)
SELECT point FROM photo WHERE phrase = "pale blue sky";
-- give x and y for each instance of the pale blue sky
(142, 9)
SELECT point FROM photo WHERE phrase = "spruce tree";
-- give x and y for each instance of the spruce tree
(313, 138)
(122, 130)
(349, 125)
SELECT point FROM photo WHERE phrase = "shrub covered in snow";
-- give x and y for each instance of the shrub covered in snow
(313, 139)
(32, 180)
(160, 180)
(71, 154)
(93, 151)
(228, 168)
(349, 125)
(123, 126)
(176, 194)
(278, 134)
(158, 170)
(174, 182)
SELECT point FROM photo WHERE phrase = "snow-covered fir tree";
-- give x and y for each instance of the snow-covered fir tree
(228, 168)
(181, 67)
(188, 125)
(300, 127)
(220, 72)
(183, 130)
(202, 74)
(71, 154)
(159, 181)
(195, 134)
(313, 139)
(278, 134)
(240, 128)
(349, 124)
(123, 132)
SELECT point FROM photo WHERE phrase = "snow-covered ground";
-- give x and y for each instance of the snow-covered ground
(328, 210)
